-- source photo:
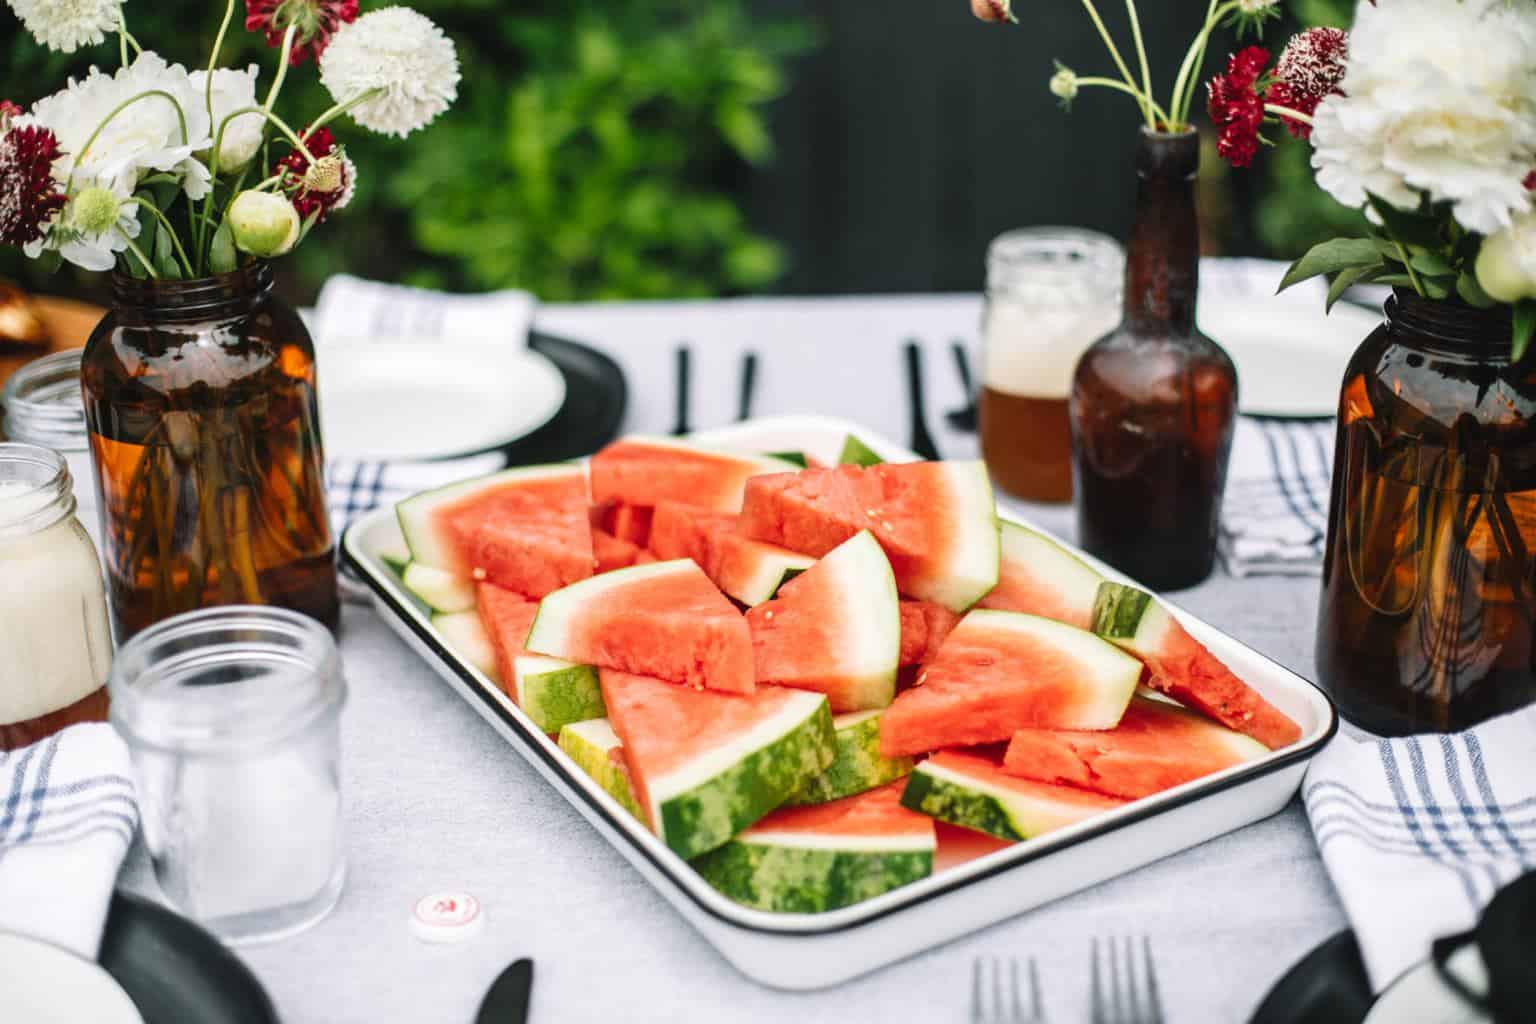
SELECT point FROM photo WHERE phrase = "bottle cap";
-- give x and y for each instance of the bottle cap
(447, 917)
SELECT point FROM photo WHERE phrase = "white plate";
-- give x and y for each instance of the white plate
(807, 951)
(41, 983)
(1421, 996)
(1290, 356)
(432, 399)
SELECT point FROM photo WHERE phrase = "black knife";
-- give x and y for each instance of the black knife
(922, 440)
(506, 1001)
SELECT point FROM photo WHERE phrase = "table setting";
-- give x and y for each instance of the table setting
(1144, 637)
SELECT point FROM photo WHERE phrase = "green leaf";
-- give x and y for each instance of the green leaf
(49, 260)
(1346, 278)
(221, 251)
(1525, 326)
(1472, 293)
(1437, 287)
(1395, 280)
(1409, 228)
(164, 256)
(1331, 257)
(1431, 263)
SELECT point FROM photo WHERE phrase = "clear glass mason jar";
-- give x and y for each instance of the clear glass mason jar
(1051, 292)
(43, 406)
(55, 645)
(232, 718)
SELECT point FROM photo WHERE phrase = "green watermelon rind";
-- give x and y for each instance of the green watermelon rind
(857, 453)
(857, 766)
(972, 571)
(974, 803)
(438, 589)
(556, 693)
(590, 744)
(705, 803)
(550, 633)
(814, 874)
(465, 636)
(1128, 616)
(794, 458)
(415, 512)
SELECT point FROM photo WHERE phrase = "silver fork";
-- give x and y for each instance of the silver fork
(1129, 995)
(996, 1010)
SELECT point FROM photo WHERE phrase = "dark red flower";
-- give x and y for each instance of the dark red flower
(1236, 108)
(303, 182)
(29, 194)
(1309, 70)
(317, 21)
(1530, 182)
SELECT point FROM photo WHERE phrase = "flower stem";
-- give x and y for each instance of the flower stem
(1189, 71)
(1287, 113)
(148, 267)
(165, 225)
(277, 122)
(213, 62)
(1141, 56)
(282, 68)
(1114, 53)
(181, 116)
(341, 108)
(1116, 84)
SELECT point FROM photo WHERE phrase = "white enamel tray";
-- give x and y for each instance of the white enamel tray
(808, 951)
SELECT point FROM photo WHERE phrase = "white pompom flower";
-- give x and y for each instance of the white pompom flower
(67, 25)
(401, 57)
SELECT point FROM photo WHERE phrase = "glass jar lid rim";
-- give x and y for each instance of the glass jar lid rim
(45, 476)
(1075, 244)
(43, 403)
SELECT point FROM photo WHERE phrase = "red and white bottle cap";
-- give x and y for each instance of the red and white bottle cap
(447, 917)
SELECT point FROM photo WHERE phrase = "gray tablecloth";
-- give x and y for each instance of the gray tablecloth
(436, 800)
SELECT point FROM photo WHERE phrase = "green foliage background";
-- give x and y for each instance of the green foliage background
(583, 159)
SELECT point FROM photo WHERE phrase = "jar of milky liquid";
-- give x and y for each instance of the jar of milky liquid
(55, 646)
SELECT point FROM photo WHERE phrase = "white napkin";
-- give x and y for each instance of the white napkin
(1419, 832)
(1274, 516)
(67, 815)
(350, 308)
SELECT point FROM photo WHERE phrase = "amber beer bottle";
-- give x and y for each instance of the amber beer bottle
(1154, 401)
(1050, 293)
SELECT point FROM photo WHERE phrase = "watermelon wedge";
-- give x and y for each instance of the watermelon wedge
(999, 672)
(749, 570)
(924, 625)
(610, 552)
(679, 530)
(959, 846)
(596, 749)
(935, 520)
(526, 529)
(834, 629)
(1183, 668)
(970, 789)
(393, 550)
(857, 453)
(706, 765)
(438, 589)
(506, 618)
(1156, 746)
(856, 765)
(556, 693)
(813, 859)
(665, 619)
(464, 635)
(629, 523)
(1039, 577)
(646, 471)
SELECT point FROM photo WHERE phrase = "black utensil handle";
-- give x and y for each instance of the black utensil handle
(922, 440)
(506, 1001)
(683, 360)
(748, 386)
(963, 366)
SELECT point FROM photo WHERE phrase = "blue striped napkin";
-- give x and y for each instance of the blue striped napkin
(67, 815)
(1419, 832)
(1274, 518)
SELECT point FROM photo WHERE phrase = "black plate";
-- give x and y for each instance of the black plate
(174, 971)
(1327, 986)
(595, 399)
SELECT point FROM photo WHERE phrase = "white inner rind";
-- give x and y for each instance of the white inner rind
(528, 667)
(1032, 814)
(415, 513)
(916, 842)
(466, 635)
(596, 733)
(971, 564)
(1038, 558)
(799, 706)
(871, 613)
(551, 630)
(439, 589)
(852, 719)
(768, 570)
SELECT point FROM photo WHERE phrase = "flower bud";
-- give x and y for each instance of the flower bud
(325, 174)
(1064, 84)
(263, 224)
(1506, 264)
(93, 210)
(993, 10)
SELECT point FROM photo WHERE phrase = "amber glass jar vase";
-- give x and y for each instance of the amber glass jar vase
(1153, 402)
(205, 439)
(1429, 580)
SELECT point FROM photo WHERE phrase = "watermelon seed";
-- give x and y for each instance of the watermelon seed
(478, 573)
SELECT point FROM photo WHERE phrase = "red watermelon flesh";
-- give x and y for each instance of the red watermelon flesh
(645, 558)
(998, 672)
(507, 617)
(924, 625)
(649, 470)
(664, 619)
(957, 845)
(684, 531)
(609, 552)
(632, 523)
(834, 628)
(935, 521)
(1039, 577)
(1155, 747)
(529, 554)
(875, 812)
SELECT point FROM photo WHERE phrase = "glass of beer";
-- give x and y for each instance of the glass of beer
(1051, 292)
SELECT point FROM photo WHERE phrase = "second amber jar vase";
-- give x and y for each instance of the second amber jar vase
(205, 437)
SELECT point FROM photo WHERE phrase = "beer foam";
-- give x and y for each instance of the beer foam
(1031, 350)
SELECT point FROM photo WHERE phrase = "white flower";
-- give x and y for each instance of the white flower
(232, 91)
(403, 55)
(1439, 99)
(1255, 6)
(1064, 84)
(84, 235)
(65, 25)
(1506, 264)
(160, 132)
